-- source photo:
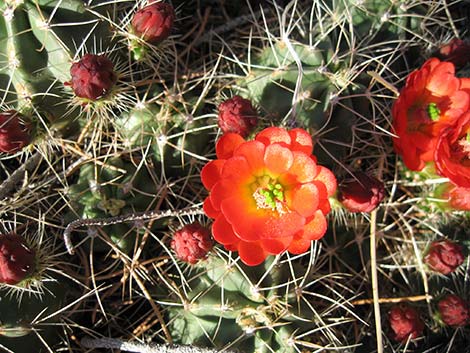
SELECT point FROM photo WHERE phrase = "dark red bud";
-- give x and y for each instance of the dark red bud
(362, 193)
(192, 243)
(444, 256)
(15, 131)
(93, 76)
(453, 310)
(237, 115)
(16, 259)
(405, 322)
(456, 51)
(154, 22)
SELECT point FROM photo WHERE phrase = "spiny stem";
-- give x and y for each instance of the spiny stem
(375, 284)
(18, 174)
(132, 217)
(415, 298)
(114, 343)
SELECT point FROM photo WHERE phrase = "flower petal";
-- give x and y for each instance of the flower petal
(304, 199)
(274, 134)
(227, 144)
(327, 177)
(301, 141)
(211, 172)
(223, 232)
(277, 245)
(278, 159)
(303, 168)
(237, 170)
(253, 151)
(251, 253)
(316, 227)
(299, 246)
(209, 210)
(222, 190)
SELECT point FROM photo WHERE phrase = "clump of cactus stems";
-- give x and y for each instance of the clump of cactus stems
(112, 115)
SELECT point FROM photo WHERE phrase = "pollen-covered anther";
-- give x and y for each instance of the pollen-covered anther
(433, 111)
(270, 197)
(465, 144)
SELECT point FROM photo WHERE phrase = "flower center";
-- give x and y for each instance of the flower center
(433, 111)
(464, 144)
(268, 194)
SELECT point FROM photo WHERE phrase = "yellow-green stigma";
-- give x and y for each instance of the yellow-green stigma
(269, 196)
(433, 111)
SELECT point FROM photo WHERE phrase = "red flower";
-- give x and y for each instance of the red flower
(93, 76)
(237, 115)
(453, 311)
(405, 322)
(444, 256)
(267, 195)
(361, 194)
(456, 51)
(431, 100)
(15, 131)
(154, 22)
(452, 154)
(16, 259)
(191, 243)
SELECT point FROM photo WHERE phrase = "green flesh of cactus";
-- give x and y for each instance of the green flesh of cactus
(38, 41)
(103, 192)
(251, 309)
(19, 319)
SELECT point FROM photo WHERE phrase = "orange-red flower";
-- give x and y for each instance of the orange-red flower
(267, 195)
(452, 155)
(431, 100)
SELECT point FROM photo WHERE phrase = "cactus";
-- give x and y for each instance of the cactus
(256, 309)
(110, 109)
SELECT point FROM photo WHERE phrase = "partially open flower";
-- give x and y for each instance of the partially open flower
(93, 76)
(405, 322)
(192, 243)
(15, 131)
(237, 115)
(444, 256)
(362, 193)
(431, 100)
(16, 259)
(453, 311)
(267, 195)
(452, 154)
(154, 22)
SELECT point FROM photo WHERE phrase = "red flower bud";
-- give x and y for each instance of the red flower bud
(444, 256)
(16, 259)
(15, 131)
(237, 115)
(363, 193)
(453, 310)
(154, 22)
(93, 76)
(405, 322)
(456, 51)
(191, 243)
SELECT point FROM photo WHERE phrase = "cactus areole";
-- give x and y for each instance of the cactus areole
(93, 77)
(267, 195)
(16, 259)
